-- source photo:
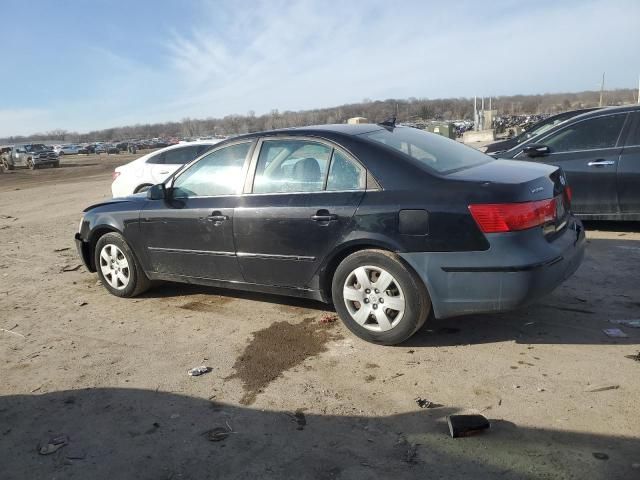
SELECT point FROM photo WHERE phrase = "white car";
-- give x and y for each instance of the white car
(66, 149)
(155, 167)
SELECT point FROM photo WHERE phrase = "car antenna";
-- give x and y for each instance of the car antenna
(389, 122)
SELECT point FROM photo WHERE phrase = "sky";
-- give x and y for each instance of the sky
(81, 65)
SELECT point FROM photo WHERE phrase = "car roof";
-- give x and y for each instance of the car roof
(341, 129)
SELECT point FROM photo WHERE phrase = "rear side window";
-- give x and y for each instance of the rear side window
(287, 166)
(595, 133)
(345, 174)
(180, 156)
(430, 150)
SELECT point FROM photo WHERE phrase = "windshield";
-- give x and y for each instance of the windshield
(431, 150)
(36, 147)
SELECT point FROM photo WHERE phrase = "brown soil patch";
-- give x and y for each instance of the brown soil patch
(275, 350)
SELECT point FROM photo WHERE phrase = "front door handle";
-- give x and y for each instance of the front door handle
(601, 163)
(217, 217)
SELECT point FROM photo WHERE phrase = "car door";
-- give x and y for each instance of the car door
(628, 174)
(297, 204)
(588, 151)
(190, 234)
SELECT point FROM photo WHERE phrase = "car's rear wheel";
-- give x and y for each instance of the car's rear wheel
(118, 269)
(379, 298)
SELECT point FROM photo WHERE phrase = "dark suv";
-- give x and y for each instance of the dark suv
(600, 153)
(388, 223)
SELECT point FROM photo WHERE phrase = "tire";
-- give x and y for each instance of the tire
(142, 188)
(115, 262)
(60, 153)
(400, 287)
(31, 164)
(7, 165)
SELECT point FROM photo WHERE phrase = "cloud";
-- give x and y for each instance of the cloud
(263, 55)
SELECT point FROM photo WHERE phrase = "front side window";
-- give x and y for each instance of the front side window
(287, 166)
(218, 173)
(430, 150)
(595, 133)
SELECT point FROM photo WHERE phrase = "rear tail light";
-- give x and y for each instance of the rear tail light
(511, 217)
(115, 175)
(568, 194)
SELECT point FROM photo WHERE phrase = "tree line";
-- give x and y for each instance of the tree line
(406, 110)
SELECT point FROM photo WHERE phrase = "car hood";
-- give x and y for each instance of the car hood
(136, 198)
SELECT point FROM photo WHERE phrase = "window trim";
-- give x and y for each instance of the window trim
(169, 182)
(541, 141)
(248, 184)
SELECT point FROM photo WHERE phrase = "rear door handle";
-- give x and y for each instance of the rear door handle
(601, 163)
(324, 217)
(163, 172)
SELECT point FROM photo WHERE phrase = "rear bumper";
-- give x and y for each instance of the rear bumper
(518, 268)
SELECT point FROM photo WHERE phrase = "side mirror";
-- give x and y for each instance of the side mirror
(536, 150)
(157, 192)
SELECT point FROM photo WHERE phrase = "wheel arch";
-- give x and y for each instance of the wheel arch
(94, 236)
(326, 272)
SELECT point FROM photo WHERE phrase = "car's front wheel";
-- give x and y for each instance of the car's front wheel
(379, 298)
(31, 164)
(118, 269)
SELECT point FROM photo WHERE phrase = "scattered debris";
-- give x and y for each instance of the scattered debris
(466, 425)
(600, 456)
(633, 357)
(423, 402)
(197, 371)
(328, 318)
(217, 434)
(411, 351)
(54, 444)
(12, 332)
(615, 333)
(396, 376)
(627, 323)
(63, 249)
(70, 268)
(603, 388)
(81, 303)
(299, 418)
(369, 378)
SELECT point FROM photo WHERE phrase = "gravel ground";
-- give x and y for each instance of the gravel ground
(291, 393)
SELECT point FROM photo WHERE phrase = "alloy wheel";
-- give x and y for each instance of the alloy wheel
(114, 267)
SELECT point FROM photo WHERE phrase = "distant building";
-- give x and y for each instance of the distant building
(357, 120)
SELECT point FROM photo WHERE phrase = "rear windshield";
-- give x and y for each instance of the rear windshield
(433, 151)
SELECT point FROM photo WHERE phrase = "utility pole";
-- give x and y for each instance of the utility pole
(601, 88)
